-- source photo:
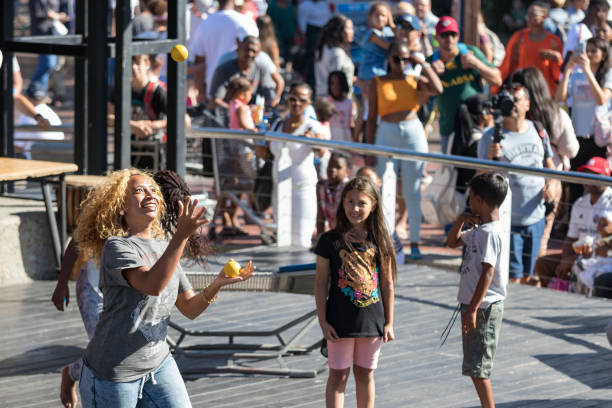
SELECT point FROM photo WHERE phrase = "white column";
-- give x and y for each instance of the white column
(282, 196)
(389, 186)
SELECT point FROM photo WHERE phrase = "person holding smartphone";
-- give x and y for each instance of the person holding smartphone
(396, 97)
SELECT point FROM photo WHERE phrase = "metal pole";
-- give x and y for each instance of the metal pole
(177, 78)
(97, 53)
(6, 79)
(80, 136)
(123, 88)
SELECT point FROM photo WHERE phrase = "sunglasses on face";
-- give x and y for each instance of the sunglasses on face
(449, 34)
(397, 59)
(295, 99)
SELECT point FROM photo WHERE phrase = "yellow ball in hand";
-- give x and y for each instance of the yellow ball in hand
(179, 53)
(231, 269)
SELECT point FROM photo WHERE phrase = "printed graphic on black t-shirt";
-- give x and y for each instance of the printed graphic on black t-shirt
(354, 306)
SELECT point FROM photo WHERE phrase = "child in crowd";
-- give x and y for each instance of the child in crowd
(375, 44)
(343, 122)
(239, 92)
(330, 190)
(369, 172)
(484, 279)
(354, 291)
(324, 111)
(594, 268)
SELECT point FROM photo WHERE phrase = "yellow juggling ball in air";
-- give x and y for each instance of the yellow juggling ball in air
(179, 53)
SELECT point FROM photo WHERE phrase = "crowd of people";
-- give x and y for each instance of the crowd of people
(543, 100)
(396, 82)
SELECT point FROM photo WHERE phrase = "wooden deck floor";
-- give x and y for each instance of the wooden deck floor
(553, 351)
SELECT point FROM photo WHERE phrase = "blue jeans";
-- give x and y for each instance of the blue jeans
(163, 387)
(524, 248)
(40, 79)
(408, 135)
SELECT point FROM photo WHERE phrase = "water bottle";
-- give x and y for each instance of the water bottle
(262, 127)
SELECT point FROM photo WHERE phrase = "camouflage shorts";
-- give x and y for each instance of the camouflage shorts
(480, 343)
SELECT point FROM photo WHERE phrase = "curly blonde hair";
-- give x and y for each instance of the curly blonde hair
(101, 214)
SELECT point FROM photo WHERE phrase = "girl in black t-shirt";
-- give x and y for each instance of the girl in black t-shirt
(356, 261)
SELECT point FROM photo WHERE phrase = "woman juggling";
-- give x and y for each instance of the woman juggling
(128, 362)
(395, 97)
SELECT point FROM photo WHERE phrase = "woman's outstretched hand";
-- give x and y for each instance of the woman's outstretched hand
(245, 273)
(190, 218)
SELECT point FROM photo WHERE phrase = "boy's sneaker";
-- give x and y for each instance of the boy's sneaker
(415, 253)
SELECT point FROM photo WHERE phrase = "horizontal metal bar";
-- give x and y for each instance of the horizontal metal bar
(75, 39)
(143, 46)
(403, 154)
(34, 128)
(43, 47)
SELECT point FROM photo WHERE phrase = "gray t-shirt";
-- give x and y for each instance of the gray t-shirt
(257, 76)
(130, 339)
(484, 244)
(525, 149)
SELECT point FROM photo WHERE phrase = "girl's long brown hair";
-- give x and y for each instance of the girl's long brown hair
(375, 223)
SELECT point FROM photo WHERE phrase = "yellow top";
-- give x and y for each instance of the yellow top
(397, 95)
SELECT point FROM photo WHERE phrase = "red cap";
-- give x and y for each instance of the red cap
(445, 24)
(597, 165)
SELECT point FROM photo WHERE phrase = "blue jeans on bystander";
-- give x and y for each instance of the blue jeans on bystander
(524, 248)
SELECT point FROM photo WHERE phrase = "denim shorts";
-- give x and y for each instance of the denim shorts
(163, 387)
(479, 344)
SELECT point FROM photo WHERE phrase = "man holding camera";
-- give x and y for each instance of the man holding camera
(461, 69)
(520, 141)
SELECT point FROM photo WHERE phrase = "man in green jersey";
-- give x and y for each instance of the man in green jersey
(461, 68)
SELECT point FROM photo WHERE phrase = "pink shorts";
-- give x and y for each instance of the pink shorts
(361, 351)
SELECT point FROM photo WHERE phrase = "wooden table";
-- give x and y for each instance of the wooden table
(46, 173)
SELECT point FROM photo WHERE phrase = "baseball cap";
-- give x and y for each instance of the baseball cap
(445, 24)
(408, 22)
(597, 165)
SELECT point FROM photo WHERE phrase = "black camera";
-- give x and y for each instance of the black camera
(502, 103)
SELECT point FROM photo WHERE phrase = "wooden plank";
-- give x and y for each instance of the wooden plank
(552, 351)
(20, 169)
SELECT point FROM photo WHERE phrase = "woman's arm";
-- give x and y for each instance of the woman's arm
(561, 92)
(152, 281)
(321, 290)
(61, 292)
(601, 95)
(432, 86)
(372, 114)
(388, 298)
(192, 304)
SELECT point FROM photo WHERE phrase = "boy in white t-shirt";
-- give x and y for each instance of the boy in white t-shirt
(484, 278)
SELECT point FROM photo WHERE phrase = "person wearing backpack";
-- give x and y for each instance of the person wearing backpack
(148, 109)
(535, 47)
(525, 144)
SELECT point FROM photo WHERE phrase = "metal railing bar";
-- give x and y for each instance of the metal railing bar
(403, 154)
